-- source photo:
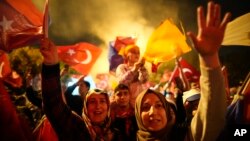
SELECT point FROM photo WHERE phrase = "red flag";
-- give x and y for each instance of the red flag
(154, 67)
(5, 69)
(123, 41)
(14, 79)
(44, 131)
(115, 59)
(12, 126)
(189, 71)
(80, 57)
(20, 24)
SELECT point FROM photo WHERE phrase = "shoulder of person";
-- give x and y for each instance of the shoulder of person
(117, 134)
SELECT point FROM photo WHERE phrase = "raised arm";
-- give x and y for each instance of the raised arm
(210, 34)
(58, 113)
(210, 116)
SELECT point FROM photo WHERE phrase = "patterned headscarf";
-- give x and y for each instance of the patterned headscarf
(104, 132)
(143, 134)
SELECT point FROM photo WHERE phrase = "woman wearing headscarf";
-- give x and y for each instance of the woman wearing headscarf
(132, 72)
(153, 116)
(152, 112)
(94, 125)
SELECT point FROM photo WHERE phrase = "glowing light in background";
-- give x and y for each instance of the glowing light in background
(87, 78)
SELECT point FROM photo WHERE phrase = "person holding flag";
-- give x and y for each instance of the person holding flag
(151, 107)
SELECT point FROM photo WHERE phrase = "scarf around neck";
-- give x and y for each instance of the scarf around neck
(101, 131)
(143, 134)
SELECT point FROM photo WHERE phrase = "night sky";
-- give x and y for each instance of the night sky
(100, 21)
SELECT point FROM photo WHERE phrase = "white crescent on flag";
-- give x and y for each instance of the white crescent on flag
(186, 70)
(87, 60)
(1, 69)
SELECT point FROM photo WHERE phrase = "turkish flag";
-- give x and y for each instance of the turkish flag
(44, 131)
(5, 68)
(80, 57)
(189, 71)
(20, 24)
(13, 127)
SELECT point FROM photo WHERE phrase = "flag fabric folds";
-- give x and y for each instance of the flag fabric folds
(123, 42)
(113, 57)
(5, 69)
(238, 31)
(13, 127)
(238, 111)
(165, 43)
(115, 48)
(189, 71)
(80, 57)
(44, 131)
(20, 24)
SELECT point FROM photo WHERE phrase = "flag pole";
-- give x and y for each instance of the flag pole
(167, 85)
(46, 19)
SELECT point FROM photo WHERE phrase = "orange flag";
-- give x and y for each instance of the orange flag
(166, 43)
(20, 24)
(80, 57)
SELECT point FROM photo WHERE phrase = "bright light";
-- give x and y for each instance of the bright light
(74, 80)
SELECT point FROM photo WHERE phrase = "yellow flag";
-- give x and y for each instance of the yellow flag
(165, 43)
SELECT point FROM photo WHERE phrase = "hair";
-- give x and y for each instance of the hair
(121, 87)
(124, 51)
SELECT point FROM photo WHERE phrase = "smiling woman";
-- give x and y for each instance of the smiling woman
(96, 114)
(96, 107)
(94, 125)
(153, 116)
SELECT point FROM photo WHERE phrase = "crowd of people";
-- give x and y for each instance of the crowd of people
(133, 112)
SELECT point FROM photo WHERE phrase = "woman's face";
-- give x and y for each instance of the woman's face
(153, 114)
(97, 106)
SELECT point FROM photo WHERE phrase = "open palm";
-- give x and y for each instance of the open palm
(210, 30)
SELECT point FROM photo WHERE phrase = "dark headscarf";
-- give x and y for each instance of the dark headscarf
(143, 134)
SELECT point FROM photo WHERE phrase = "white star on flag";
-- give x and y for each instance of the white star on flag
(71, 52)
(6, 25)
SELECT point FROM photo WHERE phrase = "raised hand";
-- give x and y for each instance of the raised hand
(210, 30)
(49, 52)
(81, 80)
